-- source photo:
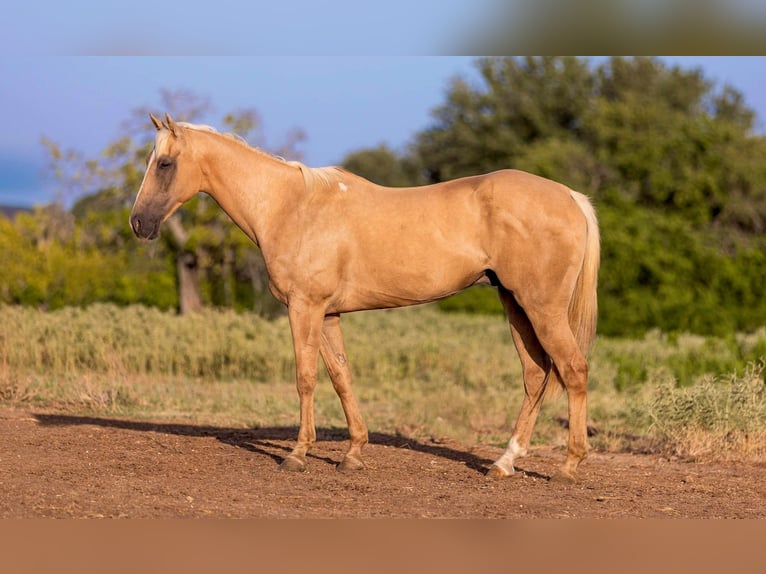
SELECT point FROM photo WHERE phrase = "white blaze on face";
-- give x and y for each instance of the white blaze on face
(342, 186)
(159, 144)
(152, 157)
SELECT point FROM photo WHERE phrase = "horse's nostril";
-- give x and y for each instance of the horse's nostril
(135, 223)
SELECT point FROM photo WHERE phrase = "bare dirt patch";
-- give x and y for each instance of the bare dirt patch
(63, 466)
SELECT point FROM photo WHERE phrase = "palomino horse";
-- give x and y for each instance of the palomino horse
(335, 243)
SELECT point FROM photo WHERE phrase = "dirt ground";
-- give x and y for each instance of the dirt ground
(64, 466)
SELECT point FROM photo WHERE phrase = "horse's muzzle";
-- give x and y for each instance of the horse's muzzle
(144, 229)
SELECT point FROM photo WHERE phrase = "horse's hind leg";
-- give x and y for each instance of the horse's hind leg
(557, 339)
(333, 354)
(536, 367)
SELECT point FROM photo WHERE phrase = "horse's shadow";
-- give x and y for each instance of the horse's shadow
(260, 440)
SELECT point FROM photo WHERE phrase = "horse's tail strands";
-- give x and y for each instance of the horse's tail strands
(583, 308)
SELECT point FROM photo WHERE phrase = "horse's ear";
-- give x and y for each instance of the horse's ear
(157, 123)
(171, 124)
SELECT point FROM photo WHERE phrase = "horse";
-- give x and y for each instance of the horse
(334, 242)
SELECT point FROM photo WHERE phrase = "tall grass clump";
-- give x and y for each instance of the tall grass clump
(686, 358)
(718, 418)
(104, 338)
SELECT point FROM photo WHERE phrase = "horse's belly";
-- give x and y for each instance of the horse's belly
(399, 282)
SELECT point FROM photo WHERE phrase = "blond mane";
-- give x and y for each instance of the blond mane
(311, 175)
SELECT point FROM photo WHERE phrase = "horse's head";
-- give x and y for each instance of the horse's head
(172, 178)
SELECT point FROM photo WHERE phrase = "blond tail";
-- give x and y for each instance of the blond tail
(583, 309)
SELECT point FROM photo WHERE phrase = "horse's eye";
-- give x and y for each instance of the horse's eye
(164, 162)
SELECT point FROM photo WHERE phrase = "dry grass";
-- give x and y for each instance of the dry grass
(719, 418)
(416, 371)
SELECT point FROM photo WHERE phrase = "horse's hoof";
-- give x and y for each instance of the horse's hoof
(563, 477)
(496, 473)
(350, 464)
(293, 464)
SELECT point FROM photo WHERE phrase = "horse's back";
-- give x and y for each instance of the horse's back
(484, 217)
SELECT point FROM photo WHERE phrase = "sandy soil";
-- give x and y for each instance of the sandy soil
(62, 466)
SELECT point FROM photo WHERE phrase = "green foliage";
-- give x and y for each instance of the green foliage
(522, 101)
(23, 279)
(481, 300)
(52, 260)
(383, 166)
(681, 360)
(659, 270)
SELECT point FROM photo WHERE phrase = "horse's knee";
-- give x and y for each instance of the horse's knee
(306, 381)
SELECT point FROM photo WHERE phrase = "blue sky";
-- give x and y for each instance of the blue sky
(232, 27)
(342, 103)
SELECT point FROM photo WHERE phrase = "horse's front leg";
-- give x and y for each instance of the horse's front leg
(333, 353)
(306, 325)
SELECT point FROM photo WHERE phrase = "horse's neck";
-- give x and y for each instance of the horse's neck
(253, 188)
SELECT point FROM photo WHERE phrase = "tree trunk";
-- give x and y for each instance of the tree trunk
(189, 297)
(263, 302)
(227, 276)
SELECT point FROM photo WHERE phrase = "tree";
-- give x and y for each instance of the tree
(23, 280)
(670, 158)
(521, 101)
(384, 166)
